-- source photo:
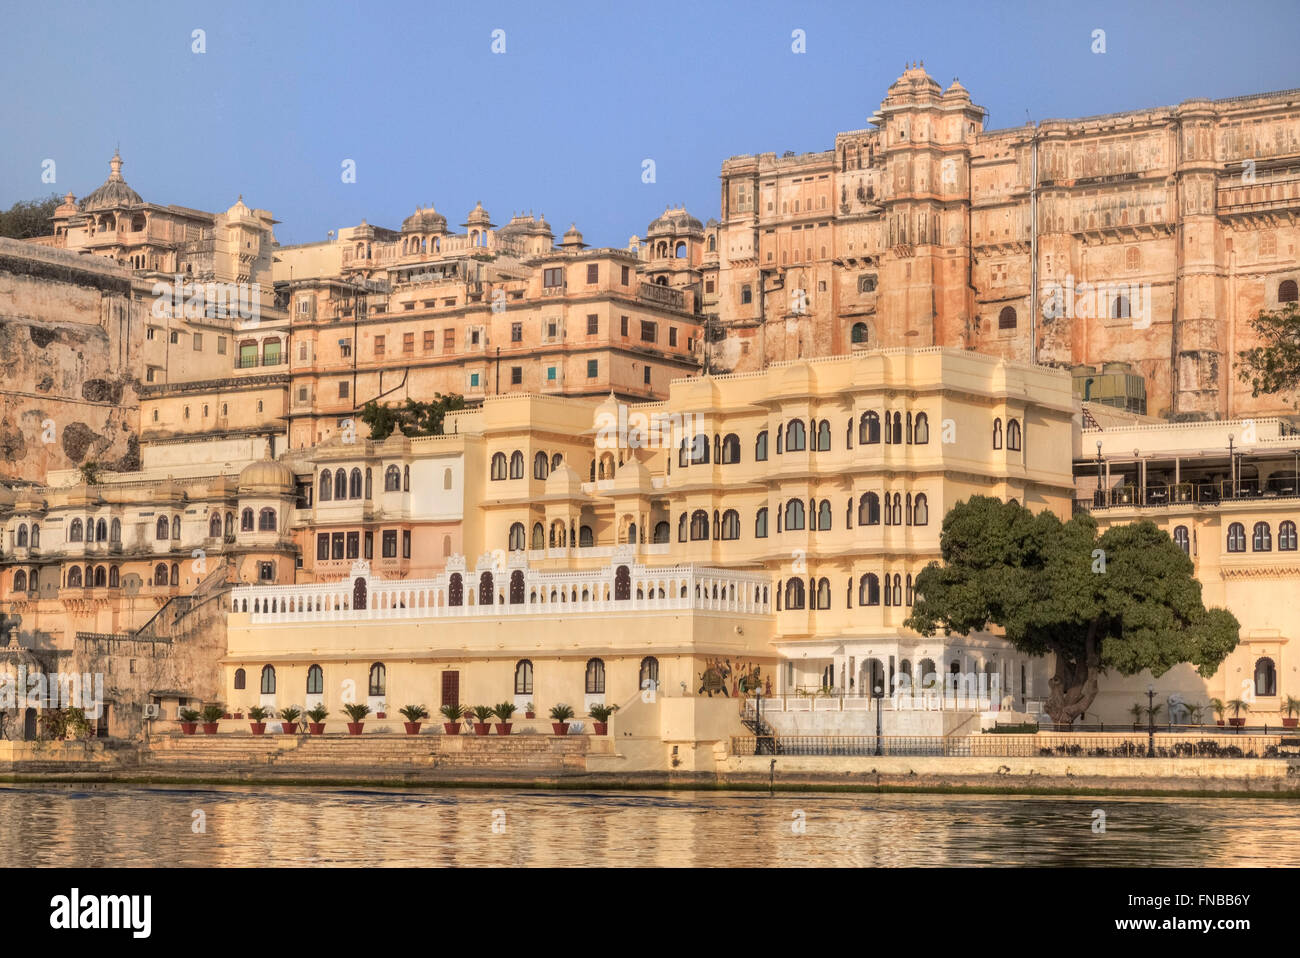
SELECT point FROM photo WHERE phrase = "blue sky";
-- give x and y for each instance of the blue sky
(560, 122)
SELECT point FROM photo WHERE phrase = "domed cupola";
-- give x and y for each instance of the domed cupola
(114, 194)
(266, 477)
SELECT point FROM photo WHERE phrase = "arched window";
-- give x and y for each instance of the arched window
(1013, 434)
(539, 536)
(648, 677)
(869, 428)
(1236, 537)
(406, 478)
(760, 447)
(859, 334)
(681, 527)
(162, 528)
(74, 577)
(266, 520)
(486, 592)
(516, 587)
(446, 479)
(920, 510)
(595, 677)
(498, 465)
(796, 436)
(516, 465)
(370, 484)
(794, 514)
(378, 680)
(101, 577)
(824, 515)
(326, 492)
(21, 541)
(869, 509)
(824, 436)
(823, 594)
(1007, 318)
(354, 484)
(341, 484)
(1262, 537)
(176, 527)
(241, 679)
(1120, 308)
(1286, 537)
(760, 524)
(393, 475)
(214, 526)
(1287, 291)
(700, 449)
(869, 589)
(730, 524)
(699, 525)
(541, 466)
(268, 680)
(730, 449)
(20, 581)
(36, 533)
(246, 520)
(75, 531)
(662, 532)
(101, 530)
(114, 577)
(1182, 540)
(997, 433)
(176, 574)
(921, 434)
(315, 680)
(456, 589)
(516, 539)
(523, 677)
(160, 574)
(794, 595)
(1265, 677)
(555, 461)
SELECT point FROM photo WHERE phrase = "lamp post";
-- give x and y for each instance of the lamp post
(1099, 466)
(1151, 722)
(1232, 465)
(880, 699)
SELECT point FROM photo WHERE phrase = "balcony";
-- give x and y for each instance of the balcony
(1190, 493)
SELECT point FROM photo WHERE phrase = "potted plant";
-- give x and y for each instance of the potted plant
(1194, 713)
(528, 711)
(382, 711)
(316, 720)
(600, 715)
(503, 711)
(560, 715)
(289, 718)
(1217, 706)
(189, 721)
(1290, 706)
(1137, 711)
(357, 711)
(453, 714)
(483, 713)
(257, 719)
(1238, 706)
(211, 716)
(414, 715)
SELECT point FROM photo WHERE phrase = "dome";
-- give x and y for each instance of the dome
(675, 220)
(914, 81)
(114, 193)
(425, 221)
(563, 481)
(478, 217)
(240, 210)
(957, 90)
(572, 238)
(266, 475)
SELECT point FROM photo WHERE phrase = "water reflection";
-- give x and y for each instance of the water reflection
(130, 825)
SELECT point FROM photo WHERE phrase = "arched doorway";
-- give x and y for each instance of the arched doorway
(622, 583)
(359, 593)
(29, 725)
(516, 587)
(870, 676)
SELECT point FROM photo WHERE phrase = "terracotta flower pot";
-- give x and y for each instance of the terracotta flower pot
(1290, 722)
(209, 728)
(257, 728)
(1218, 722)
(189, 728)
(238, 715)
(289, 727)
(530, 715)
(482, 728)
(354, 728)
(229, 716)
(560, 728)
(381, 715)
(503, 728)
(1237, 722)
(600, 728)
(316, 728)
(412, 728)
(451, 728)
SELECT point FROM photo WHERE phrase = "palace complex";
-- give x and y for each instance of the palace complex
(720, 453)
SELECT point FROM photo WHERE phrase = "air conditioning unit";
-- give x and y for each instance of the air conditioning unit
(153, 711)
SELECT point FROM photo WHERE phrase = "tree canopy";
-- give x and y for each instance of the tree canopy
(29, 218)
(414, 418)
(1126, 600)
(1274, 365)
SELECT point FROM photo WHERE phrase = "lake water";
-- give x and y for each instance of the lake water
(115, 825)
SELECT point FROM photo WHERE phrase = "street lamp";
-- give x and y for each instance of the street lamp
(1099, 466)
(1151, 722)
(1232, 465)
(880, 698)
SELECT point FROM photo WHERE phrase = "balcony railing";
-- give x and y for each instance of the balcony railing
(1187, 493)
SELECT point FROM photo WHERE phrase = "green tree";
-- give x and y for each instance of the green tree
(412, 419)
(1274, 365)
(1124, 601)
(29, 218)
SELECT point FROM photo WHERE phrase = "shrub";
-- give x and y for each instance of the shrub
(357, 711)
(503, 711)
(213, 713)
(561, 713)
(453, 713)
(414, 713)
(290, 713)
(258, 714)
(483, 713)
(317, 715)
(189, 716)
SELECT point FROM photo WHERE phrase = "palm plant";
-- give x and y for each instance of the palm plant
(258, 714)
(561, 713)
(357, 711)
(453, 712)
(1153, 712)
(414, 713)
(1137, 710)
(483, 713)
(504, 710)
(290, 713)
(317, 715)
(1218, 707)
(601, 713)
(1194, 713)
(1290, 706)
(189, 716)
(1238, 706)
(213, 713)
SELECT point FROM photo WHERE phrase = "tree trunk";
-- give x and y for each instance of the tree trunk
(1074, 685)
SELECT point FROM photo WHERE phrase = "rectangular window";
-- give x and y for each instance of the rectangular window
(516, 375)
(345, 348)
(647, 375)
(247, 355)
(552, 330)
(336, 545)
(746, 295)
(354, 545)
(593, 273)
(379, 346)
(449, 340)
(550, 374)
(516, 332)
(323, 545)
(198, 341)
(343, 389)
(593, 368)
(626, 275)
(708, 285)
(593, 324)
(622, 325)
(370, 545)
(390, 544)
(553, 277)
(406, 543)
(672, 335)
(430, 341)
(149, 333)
(221, 345)
(473, 380)
(175, 337)
(649, 333)
(148, 377)
(408, 343)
